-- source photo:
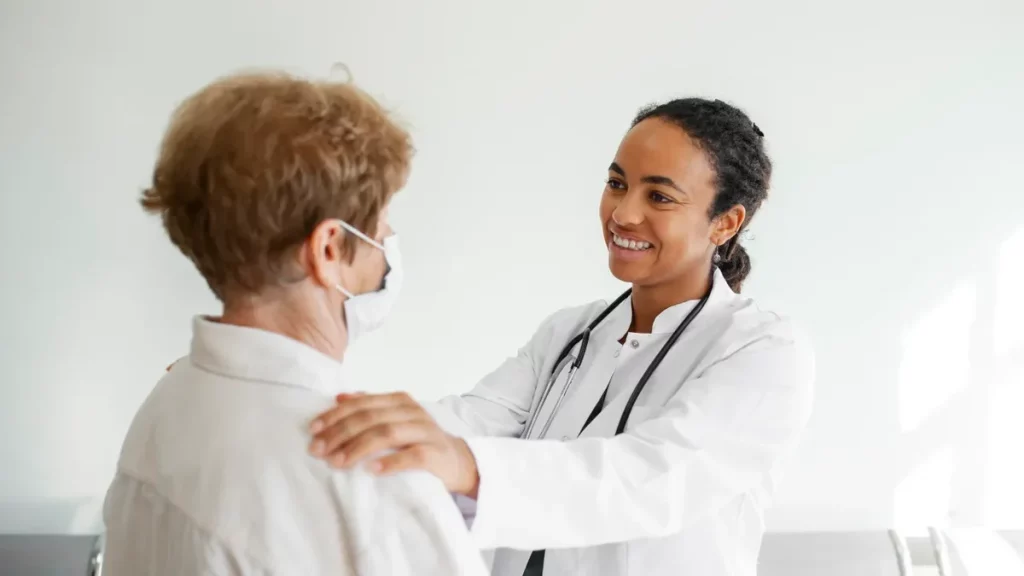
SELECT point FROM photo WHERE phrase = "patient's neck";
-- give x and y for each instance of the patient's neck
(299, 318)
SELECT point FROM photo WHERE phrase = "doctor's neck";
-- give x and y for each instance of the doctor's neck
(651, 300)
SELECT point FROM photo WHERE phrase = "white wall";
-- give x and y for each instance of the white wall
(895, 230)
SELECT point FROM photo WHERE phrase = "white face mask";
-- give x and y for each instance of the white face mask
(366, 312)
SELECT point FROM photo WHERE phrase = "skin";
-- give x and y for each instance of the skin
(660, 189)
(311, 310)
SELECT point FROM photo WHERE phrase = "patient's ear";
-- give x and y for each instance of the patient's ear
(325, 253)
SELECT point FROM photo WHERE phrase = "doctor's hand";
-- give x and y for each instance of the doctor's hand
(361, 425)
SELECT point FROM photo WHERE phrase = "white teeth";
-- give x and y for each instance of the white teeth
(630, 244)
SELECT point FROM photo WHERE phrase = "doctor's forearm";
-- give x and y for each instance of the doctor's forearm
(590, 492)
(471, 415)
(543, 494)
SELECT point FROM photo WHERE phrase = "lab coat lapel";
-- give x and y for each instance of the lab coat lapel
(593, 376)
(589, 384)
(607, 421)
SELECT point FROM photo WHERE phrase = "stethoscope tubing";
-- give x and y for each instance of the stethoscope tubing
(583, 339)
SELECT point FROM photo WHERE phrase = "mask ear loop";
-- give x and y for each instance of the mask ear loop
(350, 228)
(360, 235)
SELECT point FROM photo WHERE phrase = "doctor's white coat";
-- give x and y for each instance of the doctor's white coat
(683, 490)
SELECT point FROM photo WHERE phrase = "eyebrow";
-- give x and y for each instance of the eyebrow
(662, 180)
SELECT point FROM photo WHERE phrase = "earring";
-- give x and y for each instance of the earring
(717, 258)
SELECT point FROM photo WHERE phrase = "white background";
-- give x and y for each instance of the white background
(894, 231)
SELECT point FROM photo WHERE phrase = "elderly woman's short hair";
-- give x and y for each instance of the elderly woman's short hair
(252, 163)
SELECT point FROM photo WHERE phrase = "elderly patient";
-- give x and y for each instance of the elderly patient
(277, 189)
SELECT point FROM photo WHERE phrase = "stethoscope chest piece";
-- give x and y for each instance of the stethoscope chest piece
(574, 366)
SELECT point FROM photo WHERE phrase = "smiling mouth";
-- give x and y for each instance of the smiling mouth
(630, 244)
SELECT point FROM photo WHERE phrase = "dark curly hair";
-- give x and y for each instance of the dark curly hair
(735, 147)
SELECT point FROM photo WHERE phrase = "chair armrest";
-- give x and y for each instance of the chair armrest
(96, 556)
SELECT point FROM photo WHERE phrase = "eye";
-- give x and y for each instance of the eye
(615, 184)
(659, 198)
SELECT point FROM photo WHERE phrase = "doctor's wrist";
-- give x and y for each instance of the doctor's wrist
(469, 475)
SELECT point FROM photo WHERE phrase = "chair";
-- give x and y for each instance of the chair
(877, 553)
(51, 555)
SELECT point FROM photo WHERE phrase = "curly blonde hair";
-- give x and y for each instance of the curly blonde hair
(252, 163)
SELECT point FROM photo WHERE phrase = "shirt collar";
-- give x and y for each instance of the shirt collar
(671, 317)
(259, 355)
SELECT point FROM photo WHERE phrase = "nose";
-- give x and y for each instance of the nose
(630, 210)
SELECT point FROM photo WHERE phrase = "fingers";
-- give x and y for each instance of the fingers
(412, 458)
(393, 436)
(349, 404)
(453, 463)
(331, 440)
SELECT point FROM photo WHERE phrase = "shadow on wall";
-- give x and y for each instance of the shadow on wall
(913, 299)
(961, 396)
(945, 448)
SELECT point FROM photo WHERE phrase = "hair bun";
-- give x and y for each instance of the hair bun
(735, 266)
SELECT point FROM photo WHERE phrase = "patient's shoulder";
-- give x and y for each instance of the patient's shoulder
(381, 499)
(407, 523)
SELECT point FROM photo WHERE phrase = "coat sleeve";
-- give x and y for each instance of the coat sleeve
(717, 438)
(499, 404)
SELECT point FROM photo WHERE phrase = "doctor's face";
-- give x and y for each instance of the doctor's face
(655, 206)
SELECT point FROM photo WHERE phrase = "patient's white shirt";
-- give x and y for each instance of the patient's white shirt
(214, 477)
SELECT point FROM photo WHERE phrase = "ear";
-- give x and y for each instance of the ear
(728, 224)
(325, 253)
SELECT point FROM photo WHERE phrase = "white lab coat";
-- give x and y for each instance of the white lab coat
(683, 490)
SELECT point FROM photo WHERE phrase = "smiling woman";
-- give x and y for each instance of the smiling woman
(721, 388)
(686, 180)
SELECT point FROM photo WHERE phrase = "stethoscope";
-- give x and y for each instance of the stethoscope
(583, 338)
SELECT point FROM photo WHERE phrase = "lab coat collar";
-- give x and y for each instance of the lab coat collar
(262, 356)
(671, 317)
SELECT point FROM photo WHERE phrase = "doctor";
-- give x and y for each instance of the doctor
(655, 428)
